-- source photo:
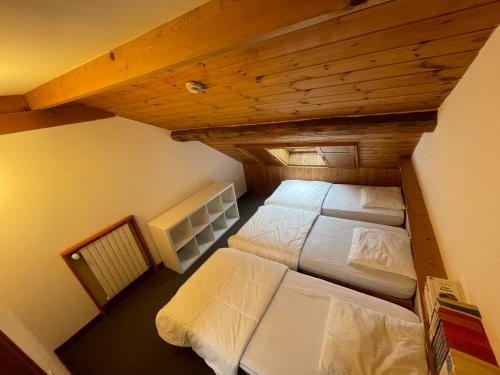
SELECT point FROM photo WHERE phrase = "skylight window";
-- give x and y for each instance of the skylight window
(341, 156)
(298, 156)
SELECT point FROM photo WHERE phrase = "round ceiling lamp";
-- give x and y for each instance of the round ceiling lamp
(195, 87)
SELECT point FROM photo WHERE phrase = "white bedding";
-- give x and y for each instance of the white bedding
(358, 341)
(384, 250)
(217, 310)
(289, 337)
(382, 197)
(305, 195)
(276, 233)
(344, 201)
(326, 251)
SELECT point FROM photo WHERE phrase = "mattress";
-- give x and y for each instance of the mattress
(289, 337)
(300, 194)
(344, 201)
(327, 248)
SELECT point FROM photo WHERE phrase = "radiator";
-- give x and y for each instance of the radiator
(115, 259)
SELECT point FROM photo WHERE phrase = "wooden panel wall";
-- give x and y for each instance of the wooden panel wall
(262, 179)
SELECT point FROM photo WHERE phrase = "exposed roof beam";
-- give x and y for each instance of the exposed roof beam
(12, 103)
(31, 120)
(210, 29)
(417, 122)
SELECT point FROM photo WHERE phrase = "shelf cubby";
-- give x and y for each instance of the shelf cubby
(228, 198)
(219, 226)
(188, 254)
(232, 215)
(184, 232)
(199, 220)
(205, 239)
(215, 208)
(181, 233)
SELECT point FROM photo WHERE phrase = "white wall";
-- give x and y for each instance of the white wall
(60, 185)
(459, 169)
(24, 339)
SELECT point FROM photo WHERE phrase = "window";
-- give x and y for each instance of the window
(343, 156)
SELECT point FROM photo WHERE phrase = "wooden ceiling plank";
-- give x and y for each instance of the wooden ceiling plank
(327, 69)
(210, 29)
(269, 57)
(12, 103)
(234, 114)
(260, 118)
(403, 123)
(469, 41)
(435, 65)
(30, 120)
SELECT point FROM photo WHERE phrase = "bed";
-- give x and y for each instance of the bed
(320, 245)
(240, 310)
(336, 200)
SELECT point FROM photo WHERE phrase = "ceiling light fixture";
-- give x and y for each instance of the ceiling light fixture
(195, 87)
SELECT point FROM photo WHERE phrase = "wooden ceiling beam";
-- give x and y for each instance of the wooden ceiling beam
(12, 103)
(417, 122)
(211, 29)
(30, 120)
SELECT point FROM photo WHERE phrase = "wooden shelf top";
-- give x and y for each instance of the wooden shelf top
(190, 205)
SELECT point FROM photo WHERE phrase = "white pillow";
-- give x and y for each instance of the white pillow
(383, 250)
(360, 341)
(382, 197)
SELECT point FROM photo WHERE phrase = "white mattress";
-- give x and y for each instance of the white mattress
(289, 337)
(327, 248)
(344, 201)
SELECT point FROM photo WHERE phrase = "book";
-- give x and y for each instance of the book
(435, 288)
(462, 313)
(459, 363)
(469, 338)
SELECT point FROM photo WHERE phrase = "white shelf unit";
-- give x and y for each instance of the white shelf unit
(186, 231)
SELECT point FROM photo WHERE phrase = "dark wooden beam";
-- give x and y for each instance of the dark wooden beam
(31, 120)
(418, 122)
(13, 103)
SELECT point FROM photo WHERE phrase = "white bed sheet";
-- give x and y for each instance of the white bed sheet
(219, 306)
(344, 201)
(326, 251)
(276, 233)
(300, 194)
(289, 337)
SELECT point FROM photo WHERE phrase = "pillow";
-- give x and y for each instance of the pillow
(383, 250)
(359, 341)
(382, 197)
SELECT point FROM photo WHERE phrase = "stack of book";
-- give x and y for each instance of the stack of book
(458, 340)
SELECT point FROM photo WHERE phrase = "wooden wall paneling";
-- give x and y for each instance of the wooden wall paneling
(31, 120)
(374, 150)
(12, 103)
(262, 179)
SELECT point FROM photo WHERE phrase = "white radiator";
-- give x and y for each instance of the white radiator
(115, 259)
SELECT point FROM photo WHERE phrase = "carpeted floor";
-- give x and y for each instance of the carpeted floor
(127, 342)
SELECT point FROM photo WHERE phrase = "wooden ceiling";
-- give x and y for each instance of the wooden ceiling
(394, 56)
(268, 61)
